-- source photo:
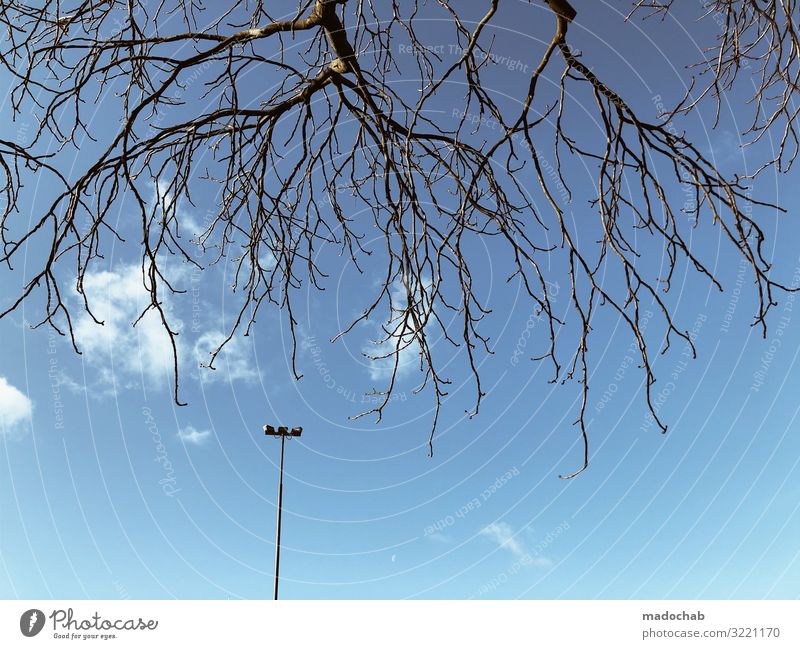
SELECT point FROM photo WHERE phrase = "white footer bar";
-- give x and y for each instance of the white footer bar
(404, 624)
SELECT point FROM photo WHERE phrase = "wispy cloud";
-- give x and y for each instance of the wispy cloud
(502, 534)
(191, 435)
(439, 537)
(234, 363)
(727, 146)
(398, 346)
(15, 408)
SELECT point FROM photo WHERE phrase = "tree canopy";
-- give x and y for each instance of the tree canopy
(346, 113)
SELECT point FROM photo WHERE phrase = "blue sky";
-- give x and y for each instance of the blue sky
(107, 489)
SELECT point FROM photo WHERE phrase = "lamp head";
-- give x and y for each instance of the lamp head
(283, 431)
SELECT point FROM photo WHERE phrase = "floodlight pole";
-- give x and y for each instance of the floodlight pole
(278, 527)
(282, 432)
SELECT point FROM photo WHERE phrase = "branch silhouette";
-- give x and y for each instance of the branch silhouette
(336, 130)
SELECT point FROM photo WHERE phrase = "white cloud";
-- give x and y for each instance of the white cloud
(382, 355)
(540, 562)
(267, 261)
(234, 362)
(727, 147)
(502, 534)
(63, 380)
(305, 341)
(15, 408)
(382, 351)
(117, 298)
(193, 436)
(164, 202)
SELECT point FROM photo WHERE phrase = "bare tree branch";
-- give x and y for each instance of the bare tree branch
(334, 131)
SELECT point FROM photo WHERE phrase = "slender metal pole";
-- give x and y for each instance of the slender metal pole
(278, 530)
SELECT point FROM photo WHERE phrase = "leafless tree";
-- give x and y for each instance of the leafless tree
(335, 129)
